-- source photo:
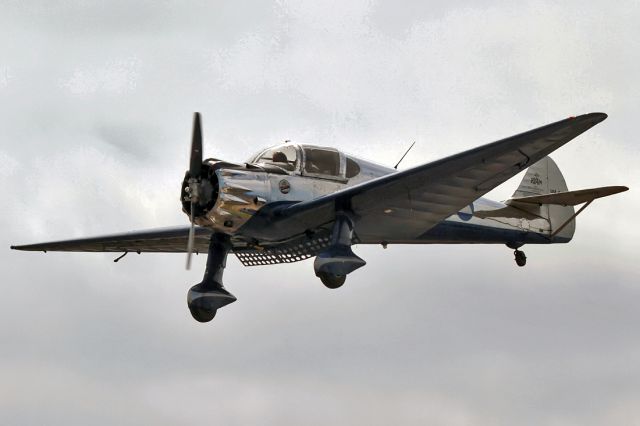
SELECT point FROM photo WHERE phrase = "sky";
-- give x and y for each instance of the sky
(96, 104)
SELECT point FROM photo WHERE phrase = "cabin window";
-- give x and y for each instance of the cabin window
(285, 157)
(322, 162)
(352, 168)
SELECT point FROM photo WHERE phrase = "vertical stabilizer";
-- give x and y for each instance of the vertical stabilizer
(544, 177)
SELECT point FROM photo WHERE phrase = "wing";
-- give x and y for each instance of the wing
(174, 240)
(401, 206)
(160, 240)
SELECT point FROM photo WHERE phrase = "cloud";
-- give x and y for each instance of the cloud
(94, 139)
(115, 78)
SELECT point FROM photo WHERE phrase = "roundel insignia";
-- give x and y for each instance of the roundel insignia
(284, 186)
(466, 216)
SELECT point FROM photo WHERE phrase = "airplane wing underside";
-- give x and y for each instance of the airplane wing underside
(159, 240)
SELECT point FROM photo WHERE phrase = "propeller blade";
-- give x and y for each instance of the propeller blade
(196, 147)
(191, 238)
(195, 167)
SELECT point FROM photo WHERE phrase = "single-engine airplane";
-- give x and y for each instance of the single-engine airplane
(292, 202)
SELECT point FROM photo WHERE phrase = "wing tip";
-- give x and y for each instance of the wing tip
(594, 117)
(28, 247)
(597, 117)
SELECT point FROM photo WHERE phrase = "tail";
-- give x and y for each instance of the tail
(543, 204)
(545, 178)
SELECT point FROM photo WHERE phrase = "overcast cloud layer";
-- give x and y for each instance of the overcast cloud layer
(95, 114)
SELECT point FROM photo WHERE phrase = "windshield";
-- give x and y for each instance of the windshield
(285, 156)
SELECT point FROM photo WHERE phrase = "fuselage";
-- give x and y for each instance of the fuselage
(291, 173)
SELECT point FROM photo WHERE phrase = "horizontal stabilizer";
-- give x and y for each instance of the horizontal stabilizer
(569, 198)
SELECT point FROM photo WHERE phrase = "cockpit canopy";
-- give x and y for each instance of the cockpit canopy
(284, 156)
(309, 160)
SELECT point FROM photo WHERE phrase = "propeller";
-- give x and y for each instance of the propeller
(195, 163)
(195, 167)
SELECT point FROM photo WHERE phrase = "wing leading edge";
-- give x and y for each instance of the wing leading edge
(408, 203)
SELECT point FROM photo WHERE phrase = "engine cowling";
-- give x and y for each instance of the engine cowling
(228, 195)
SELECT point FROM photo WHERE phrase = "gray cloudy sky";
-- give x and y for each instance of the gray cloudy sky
(95, 115)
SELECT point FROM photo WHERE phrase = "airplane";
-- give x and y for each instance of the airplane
(294, 201)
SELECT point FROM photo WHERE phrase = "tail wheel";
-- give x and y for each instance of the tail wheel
(520, 257)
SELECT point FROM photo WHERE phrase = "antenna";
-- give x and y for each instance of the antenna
(405, 154)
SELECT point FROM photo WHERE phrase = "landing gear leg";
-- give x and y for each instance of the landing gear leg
(520, 257)
(338, 260)
(204, 299)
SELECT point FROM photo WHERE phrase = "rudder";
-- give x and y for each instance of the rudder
(544, 177)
